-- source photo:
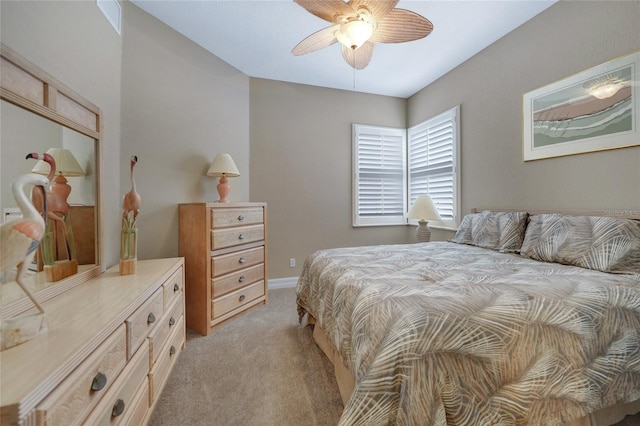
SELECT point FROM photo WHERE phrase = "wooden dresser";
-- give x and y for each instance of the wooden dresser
(111, 344)
(225, 251)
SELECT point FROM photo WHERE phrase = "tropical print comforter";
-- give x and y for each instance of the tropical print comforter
(448, 334)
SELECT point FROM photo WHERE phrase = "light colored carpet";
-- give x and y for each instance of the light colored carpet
(261, 369)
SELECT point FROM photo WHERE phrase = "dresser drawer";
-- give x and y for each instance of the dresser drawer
(118, 403)
(221, 265)
(76, 396)
(229, 237)
(160, 334)
(140, 406)
(173, 288)
(222, 218)
(228, 283)
(231, 301)
(168, 356)
(143, 320)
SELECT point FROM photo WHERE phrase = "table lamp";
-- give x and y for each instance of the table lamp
(223, 167)
(66, 166)
(424, 210)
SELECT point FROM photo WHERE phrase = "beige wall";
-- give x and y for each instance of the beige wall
(301, 166)
(75, 43)
(565, 39)
(180, 107)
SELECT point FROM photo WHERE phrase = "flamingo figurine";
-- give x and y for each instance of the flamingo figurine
(58, 208)
(131, 201)
(131, 204)
(19, 240)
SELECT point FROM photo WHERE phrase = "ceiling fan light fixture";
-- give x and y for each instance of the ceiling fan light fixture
(354, 34)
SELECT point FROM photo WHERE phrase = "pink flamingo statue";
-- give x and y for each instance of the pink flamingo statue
(131, 203)
(19, 240)
(57, 205)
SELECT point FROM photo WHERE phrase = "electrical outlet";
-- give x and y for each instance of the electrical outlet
(292, 262)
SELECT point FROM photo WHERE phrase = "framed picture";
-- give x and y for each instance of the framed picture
(593, 110)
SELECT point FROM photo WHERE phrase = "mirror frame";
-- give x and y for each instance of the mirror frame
(31, 88)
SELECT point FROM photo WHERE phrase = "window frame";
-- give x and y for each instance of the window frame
(453, 115)
(382, 132)
(400, 219)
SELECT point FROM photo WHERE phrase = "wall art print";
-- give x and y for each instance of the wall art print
(594, 110)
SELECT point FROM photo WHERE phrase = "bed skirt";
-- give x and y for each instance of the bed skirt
(604, 417)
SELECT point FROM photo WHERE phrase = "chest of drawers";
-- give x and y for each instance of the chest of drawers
(111, 344)
(225, 251)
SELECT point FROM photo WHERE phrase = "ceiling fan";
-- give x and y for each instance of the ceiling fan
(358, 24)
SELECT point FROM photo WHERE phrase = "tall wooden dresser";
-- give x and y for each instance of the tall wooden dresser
(225, 251)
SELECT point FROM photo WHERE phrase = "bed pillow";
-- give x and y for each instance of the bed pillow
(502, 231)
(604, 244)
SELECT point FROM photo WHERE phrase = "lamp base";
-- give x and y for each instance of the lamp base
(423, 234)
(223, 190)
(61, 187)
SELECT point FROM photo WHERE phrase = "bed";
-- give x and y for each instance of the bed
(519, 319)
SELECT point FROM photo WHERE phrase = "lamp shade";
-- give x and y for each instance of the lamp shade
(66, 164)
(223, 165)
(423, 209)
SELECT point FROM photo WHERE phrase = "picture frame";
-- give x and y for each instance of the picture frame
(593, 110)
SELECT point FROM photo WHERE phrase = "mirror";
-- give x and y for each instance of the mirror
(38, 113)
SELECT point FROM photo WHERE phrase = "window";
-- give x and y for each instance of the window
(392, 167)
(379, 171)
(432, 163)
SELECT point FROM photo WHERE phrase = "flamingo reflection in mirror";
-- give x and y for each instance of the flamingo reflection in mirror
(19, 240)
(58, 211)
(131, 204)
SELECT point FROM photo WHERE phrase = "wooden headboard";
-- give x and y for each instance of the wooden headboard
(626, 214)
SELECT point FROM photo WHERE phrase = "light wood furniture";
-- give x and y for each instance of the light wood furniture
(225, 251)
(110, 347)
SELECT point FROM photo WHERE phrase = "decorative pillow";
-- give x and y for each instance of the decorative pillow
(502, 231)
(604, 244)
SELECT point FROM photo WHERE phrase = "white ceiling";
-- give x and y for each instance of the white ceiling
(257, 36)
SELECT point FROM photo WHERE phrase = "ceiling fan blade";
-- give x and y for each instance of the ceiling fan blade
(400, 26)
(327, 9)
(360, 57)
(316, 41)
(378, 8)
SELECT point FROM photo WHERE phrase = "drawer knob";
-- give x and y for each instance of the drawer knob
(151, 318)
(242, 236)
(172, 321)
(242, 278)
(241, 298)
(241, 217)
(118, 408)
(176, 287)
(99, 382)
(172, 350)
(242, 260)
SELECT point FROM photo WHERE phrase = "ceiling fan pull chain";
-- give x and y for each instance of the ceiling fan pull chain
(354, 78)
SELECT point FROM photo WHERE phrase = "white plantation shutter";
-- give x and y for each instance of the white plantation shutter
(432, 163)
(379, 169)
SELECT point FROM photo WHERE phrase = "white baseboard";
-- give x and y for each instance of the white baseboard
(282, 283)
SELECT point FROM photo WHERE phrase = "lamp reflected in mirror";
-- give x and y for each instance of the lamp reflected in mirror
(66, 166)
